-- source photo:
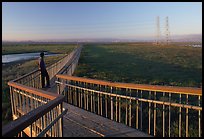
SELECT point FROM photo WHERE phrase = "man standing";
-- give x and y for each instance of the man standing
(43, 70)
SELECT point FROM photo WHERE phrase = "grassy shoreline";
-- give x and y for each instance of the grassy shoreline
(16, 69)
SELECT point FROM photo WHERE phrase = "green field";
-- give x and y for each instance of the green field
(28, 48)
(142, 63)
(16, 69)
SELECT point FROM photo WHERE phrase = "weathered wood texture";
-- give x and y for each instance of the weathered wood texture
(79, 122)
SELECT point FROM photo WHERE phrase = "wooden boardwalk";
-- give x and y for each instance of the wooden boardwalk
(82, 123)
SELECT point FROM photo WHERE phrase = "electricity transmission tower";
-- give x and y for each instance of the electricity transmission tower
(167, 31)
(158, 31)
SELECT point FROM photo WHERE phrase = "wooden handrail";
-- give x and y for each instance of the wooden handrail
(33, 90)
(168, 89)
(20, 124)
(23, 76)
(36, 70)
(17, 126)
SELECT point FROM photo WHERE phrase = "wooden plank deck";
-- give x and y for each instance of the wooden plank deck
(53, 86)
(82, 123)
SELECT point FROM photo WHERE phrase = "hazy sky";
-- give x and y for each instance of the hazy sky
(78, 20)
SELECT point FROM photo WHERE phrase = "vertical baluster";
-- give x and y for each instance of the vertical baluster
(187, 116)
(101, 101)
(119, 107)
(141, 112)
(12, 100)
(75, 93)
(87, 101)
(62, 122)
(98, 104)
(170, 115)
(19, 102)
(116, 106)
(72, 95)
(40, 124)
(34, 100)
(163, 113)
(69, 94)
(94, 105)
(44, 123)
(137, 108)
(130, 107)
(106, 97)
(155, 107)
(111, 104)
(35, 128)
(79, 94)
(126, 105)
(27, 103)
(16, 102)
(23, 100)
(85, 97)
(55, 125)
(81, 98)
(199, 117)
(33, 83)
(91, 100)
(180, 116)
(59, 121)
(58, 86)
(51, 119)
(149, 131)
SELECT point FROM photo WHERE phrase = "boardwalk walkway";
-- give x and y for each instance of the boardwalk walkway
(81, 123)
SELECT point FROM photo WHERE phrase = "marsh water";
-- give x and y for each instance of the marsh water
(23, 56)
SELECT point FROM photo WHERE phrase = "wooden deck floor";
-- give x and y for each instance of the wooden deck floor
(81, 123)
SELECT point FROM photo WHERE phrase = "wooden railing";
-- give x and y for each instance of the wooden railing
(33, 79)
(157, 110)
(36, 112)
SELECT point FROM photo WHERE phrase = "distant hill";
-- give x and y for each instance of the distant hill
(187, 38)
(173, 38)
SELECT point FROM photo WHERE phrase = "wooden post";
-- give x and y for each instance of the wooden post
(187, 116)
(111, 105)
(170, 115)
(137, 108)
(163, 117)
(130, 110)
(149, 130)
(180, 117)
